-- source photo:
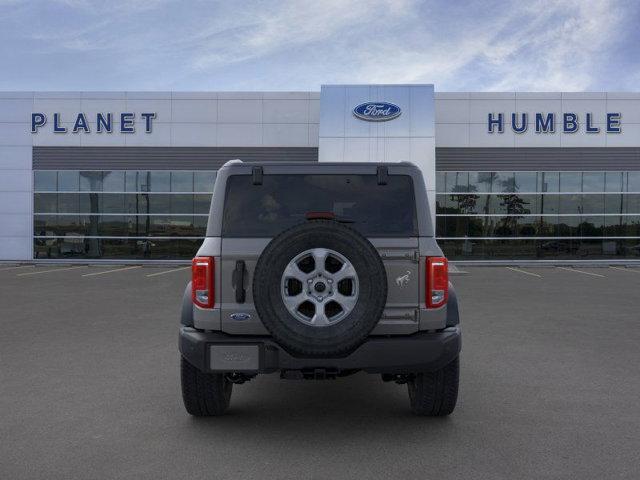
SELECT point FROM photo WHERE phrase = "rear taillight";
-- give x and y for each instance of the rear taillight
(202, 285)
(437, 282)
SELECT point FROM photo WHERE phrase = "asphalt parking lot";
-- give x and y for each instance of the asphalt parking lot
(89, 386)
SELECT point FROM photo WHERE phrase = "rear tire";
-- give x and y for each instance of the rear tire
(204, 394)
(434, 394)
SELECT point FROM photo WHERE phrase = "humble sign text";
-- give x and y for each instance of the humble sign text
(551, 122)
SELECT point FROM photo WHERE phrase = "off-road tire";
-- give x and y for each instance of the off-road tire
(332, 340)
(434, 394)
(204, 394)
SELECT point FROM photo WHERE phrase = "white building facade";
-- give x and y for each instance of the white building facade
(128, 175)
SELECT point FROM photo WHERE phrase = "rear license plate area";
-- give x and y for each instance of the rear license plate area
(234, 358)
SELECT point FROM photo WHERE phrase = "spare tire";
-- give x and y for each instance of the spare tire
(320, 288)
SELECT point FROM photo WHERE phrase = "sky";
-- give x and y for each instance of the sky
(283, 45)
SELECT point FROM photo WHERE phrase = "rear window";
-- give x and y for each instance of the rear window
(284, 200)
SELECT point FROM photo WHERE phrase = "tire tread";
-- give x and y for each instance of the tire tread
(204, 394)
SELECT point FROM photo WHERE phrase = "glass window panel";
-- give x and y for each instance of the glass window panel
(496, 204)
(159, 249)
(204, 181)
(613, 182)
(593, 181)
(549, 203)
(462, 249)
(200, 225)
(45, 203)
(548, 226)
(67, 225)
(631, 203)
(571, 181)
(589, 249)
(571, 203)
(133, 203)
(68, 181)
(440, 182)
(527, 226)
(517, 204)
(480, 181)
(45, 225)
(549, 182)
(136, 180)
(526, 182)
(504, 182)
(592, 226)
(68, 203)
(547, 249)
(504, 226)
(457, 182)
(45, 248)
(457, 226)
(159, 181)
(569, 226)
(592, 203)
(91, 181)
(633, 182)
(441, 202)
(485, 203)
(45, 180)
(632, 223)
(113, 203)
(182, 181)
(441, 226)
(113, 226)
(157, 203)
(90, 203)
(628, 248)
(471, 203)
(614, 226)
(613, 203)
(475, 226)
(201, 203)
(182, 203)
(113, 181)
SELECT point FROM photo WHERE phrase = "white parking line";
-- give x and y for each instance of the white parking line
(111, 271)
(522, 271)
(581, 271)
(49, 271)
(632, 270)
(167, 271)
(15, 268)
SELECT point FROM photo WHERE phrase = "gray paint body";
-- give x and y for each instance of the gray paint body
(404, 312)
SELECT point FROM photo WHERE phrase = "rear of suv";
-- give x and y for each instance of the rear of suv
(319, 271)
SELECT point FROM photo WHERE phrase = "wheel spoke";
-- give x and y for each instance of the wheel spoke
(294, 301)
(319, 259)
(320, 318)
(347, 302)
(293, 271)
(347, 271)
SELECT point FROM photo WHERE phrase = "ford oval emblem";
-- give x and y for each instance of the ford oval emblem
(377, 111)
(239, 317)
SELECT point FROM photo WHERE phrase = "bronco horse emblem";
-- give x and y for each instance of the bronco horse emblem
(403, 280)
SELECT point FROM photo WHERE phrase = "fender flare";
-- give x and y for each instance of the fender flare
(453, 313)
(186, 313)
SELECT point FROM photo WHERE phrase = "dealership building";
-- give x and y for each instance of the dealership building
(510, 176)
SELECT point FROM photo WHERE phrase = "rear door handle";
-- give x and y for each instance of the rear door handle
(238, 281)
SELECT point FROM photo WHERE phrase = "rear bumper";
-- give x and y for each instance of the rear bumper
(219, 352)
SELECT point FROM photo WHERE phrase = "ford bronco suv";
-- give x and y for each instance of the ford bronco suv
(319, 271)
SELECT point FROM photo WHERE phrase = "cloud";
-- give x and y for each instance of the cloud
(299, 44)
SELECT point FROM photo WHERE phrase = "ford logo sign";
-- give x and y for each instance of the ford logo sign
(377, 111)
(240, 316)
